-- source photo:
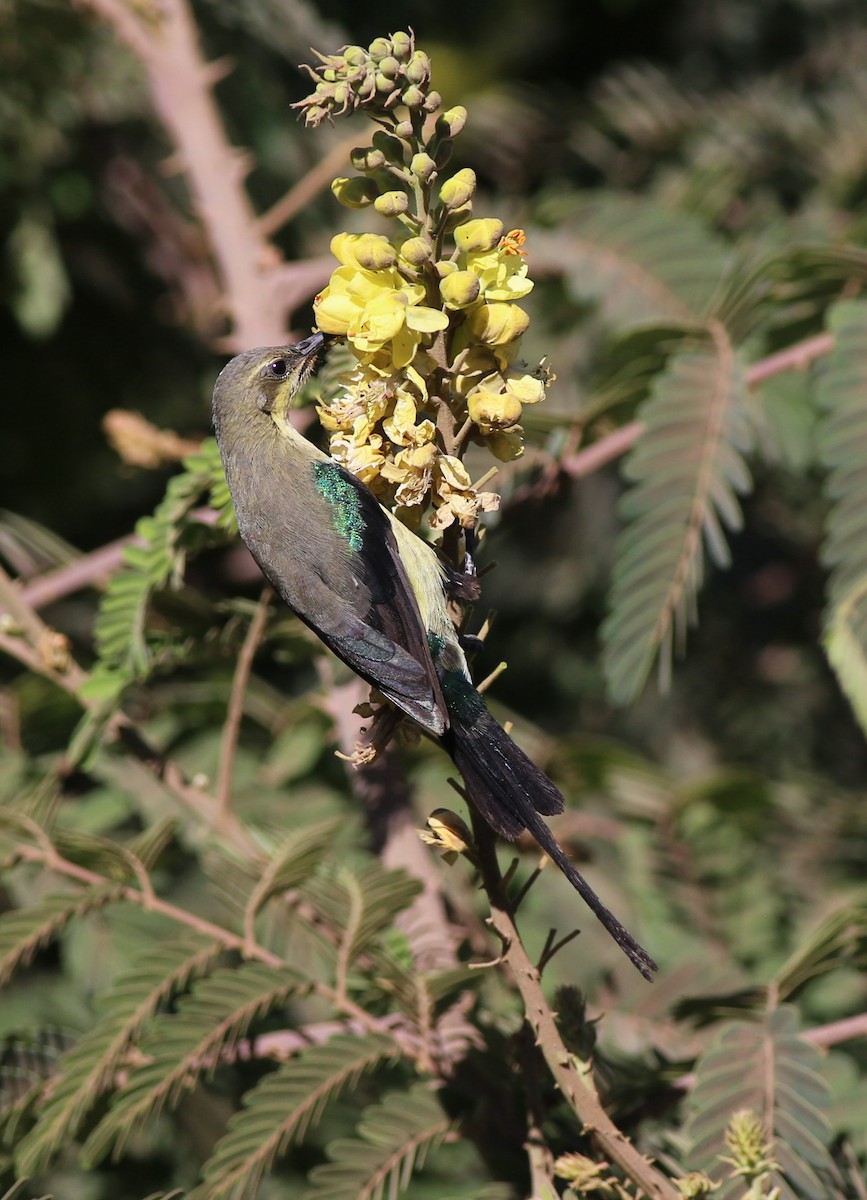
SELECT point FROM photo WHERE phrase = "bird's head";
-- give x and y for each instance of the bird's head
(261, 384)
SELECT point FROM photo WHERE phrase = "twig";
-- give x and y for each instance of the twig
(308, 186)
(793, 358)
(614, 1144)
(235, 711)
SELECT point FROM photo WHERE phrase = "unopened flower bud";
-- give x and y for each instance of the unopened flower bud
(444, 268)
(402, 46)
(404, 129)
(458, 217)
(418, 68)
(451, 122)
(354, 193)
(479, 236)
(433, 102)
(460, 289)
(422, 166)
(375, 253)
(379, 48)
(389, 66)
(391, 204)
(493, 410)
(366, 158)
(506, 444)
(416, 251)
(458, 190)
(413, 97)
(355, 56)
(384, 84)
(498, 323)
(390, 146)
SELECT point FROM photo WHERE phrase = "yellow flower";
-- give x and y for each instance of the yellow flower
(375, 310)
(363, 457)
(497, 259)
(412, 470)
(401, 429)
(454, 497)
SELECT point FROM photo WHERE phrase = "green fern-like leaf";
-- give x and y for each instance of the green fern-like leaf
(24, 931)
(153, 562)
(360, 904)
(686, 472)
(639, 262)
(767, 1068)
(842, 440)
(281, 1109)
(185, 1045)
(292, 862)
(394, 1140)
(87, 1070)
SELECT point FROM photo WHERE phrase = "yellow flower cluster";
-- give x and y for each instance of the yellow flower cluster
(372, 305)
(430, 314)
(380, 432)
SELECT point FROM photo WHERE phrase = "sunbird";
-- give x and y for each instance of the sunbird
(376, 594)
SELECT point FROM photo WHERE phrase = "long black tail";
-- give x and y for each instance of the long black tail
(510, 792)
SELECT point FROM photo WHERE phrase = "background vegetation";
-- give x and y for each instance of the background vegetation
(222, 953)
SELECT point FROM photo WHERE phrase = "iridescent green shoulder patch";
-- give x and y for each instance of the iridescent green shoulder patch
(345, 501)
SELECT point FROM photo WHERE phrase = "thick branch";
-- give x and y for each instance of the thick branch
(180, 85)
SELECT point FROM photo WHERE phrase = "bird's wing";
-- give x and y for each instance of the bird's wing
(359, 600)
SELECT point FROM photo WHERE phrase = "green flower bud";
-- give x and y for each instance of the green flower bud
(444, 268)
(418, 68)
(404, 129)
(433, 102)
(391, 204)
(416, 251)
(479, 236)
(355, 56)
(451, 122)
(390, 146)
(458, 190)
(366, 158)
(384, 83)
(379, 48)
(390, 67)
(402, 46)
(422, 166)
(355, 192)
(413, 97)
(460, 289)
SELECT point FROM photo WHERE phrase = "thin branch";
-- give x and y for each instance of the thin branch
(591, 458)
(235, 711)
(794, 358)
(308, 186)
(613, 1143)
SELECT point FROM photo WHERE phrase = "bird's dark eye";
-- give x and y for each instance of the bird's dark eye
(277, 367)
